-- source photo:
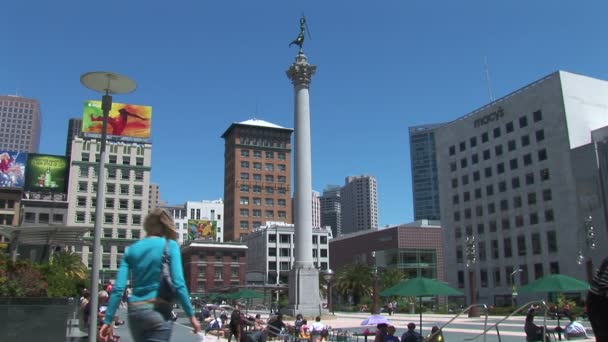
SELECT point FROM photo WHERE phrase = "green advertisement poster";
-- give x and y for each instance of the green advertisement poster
(46, 173)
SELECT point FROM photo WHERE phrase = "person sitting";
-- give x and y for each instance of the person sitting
(575, 330)
(276, 327)
(390, 336)
(411, 335)
(436, 335)
(304, 330)
(215, 327)
(381, 333)
(317, 328)
(533, 331)
(298, 323)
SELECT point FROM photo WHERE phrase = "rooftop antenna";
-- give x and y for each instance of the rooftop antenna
(307, 28)
(488, 79)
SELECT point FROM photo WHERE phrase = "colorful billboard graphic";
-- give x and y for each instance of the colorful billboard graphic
(202, 229)
(12, 169)
(125, 120)
(46, 173)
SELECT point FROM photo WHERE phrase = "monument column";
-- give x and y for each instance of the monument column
(304, 277)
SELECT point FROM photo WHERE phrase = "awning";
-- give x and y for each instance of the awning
(46, 235)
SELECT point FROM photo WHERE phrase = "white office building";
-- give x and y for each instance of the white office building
(519, 187)
(271, 252)
(198, 210)
(125, 199)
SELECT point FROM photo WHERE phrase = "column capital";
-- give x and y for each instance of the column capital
(300, 72)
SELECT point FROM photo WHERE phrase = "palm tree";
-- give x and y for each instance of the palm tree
(355, 279)
(71, 265)
(391, 277)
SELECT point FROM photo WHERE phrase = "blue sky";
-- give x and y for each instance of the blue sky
(382, 66)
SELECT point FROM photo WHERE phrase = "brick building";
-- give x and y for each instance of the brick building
(213, 266)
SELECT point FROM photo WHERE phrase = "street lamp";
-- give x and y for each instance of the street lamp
(328, 275)
(514, 294)
(471, 258)
(106, 83)
(375, 306)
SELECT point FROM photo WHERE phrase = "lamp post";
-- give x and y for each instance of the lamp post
(106, 83)
(471, 258)
(514, 293)
(375, 306)
(328, 275)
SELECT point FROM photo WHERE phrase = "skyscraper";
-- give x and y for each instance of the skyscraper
(359, 204)
(316, 209)
(20, 121)
(331, 209)
(74, 130)
(425, 187)
(257, 176)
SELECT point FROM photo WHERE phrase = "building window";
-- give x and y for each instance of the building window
(552, 241)
(123, 204)
(489, 190)
(549, 215)
(506, 224)
(484, 137)
(463, 162)
(513, 164)
(269, 178)
(257, 154)
(125, 174)
(281, 167)
(244, 188)
(515, 182)
(109, 203)
(281, 155)
(502, 186)
(474, 159)
(257, 213)
(30, 218)
(525, 140)
(257, 177)
(538, 115)
(452, 150)
(81, 201)
(244, 212)
(108, 219)
(244, 224)
(269, 155)
(454, 183)
(110, 188)
(257, 166)
(139, 176)
(483, 276)
(508, 252)
(257, 189)
(465, 179)
(533, 218)
(554, 267)
(82, 186)
(473, 141)
(282, 179)
(478, 193)
(466, 196)
(480, 228)
(519, 221)
(269, 167)
(136, 219)
(486, 154)
(244, 164)
(544, 174)
(542, 155)
(536, 245)
(269, 214)
(498, 150)
(527, 159)
(244, 176)
(257, 201)
(269, 202)
(452, 166)
(511, 145)
(531, 198)
(138, 190)
(244, 153)
(523, 122)
(43, 218)
(139, 161)
(244, 201)
(521, 245)
(492, 225)
(509, 127)
(122, 218)
(269, 190)
(462, 146)
(281, 202)
(496, 132)
(540, 135)
(547, 195)
(137, 205)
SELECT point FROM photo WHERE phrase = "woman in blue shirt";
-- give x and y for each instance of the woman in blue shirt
(143, 260)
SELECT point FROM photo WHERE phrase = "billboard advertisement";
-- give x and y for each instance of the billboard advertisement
(46, 173)
(202, 229)
(125, 120)
(12, 169)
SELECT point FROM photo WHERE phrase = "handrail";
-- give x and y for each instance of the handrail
(495, 325)
(485, 322)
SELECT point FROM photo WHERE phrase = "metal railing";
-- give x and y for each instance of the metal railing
(495, 325)
(485, 321)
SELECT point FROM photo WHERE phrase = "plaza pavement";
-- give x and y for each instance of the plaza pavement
(459, 330)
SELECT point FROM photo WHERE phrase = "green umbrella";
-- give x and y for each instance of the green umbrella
(420, 287)
(555, 283)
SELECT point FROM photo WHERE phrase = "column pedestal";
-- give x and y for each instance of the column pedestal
(304, 293)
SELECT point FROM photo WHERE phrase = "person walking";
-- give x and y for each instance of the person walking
(597, 303)
(147, 320)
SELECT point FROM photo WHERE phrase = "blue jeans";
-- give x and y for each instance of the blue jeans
(148, 325)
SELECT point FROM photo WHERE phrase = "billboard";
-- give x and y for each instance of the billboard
(12, 169)
(202, 229)
(125, 120)
(46, 173)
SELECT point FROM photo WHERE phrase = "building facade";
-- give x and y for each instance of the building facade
(154, 200)
(210, 212)
(415, 248)
(359, 204)
(271, 252)
(74, 130)
(20, 123)
(425, 186)
(125, 200)
(257, 176)
(213, 267)
(516, 185)
(331, 209)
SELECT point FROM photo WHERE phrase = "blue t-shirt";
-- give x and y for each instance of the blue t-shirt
(143, 260)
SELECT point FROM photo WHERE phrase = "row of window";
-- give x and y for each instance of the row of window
(267, 178)
(110, 203)
(267, 154)
(113, 159)
(267, 166)
(218, 272)
(43, 218)
(507, 247)
(7, 219)
(504, 203)
(500, 167)
(126, 149)
(258, 213)
(17, 112)
(496, 132)
(286, 252)
(112, 173)
(7, 204)
(109, 218)
(286, 238)
(111, 188)
(269, 202)
(506, 223)
(256, 189)
(508, 279)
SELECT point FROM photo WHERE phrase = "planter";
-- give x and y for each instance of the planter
(34, 319)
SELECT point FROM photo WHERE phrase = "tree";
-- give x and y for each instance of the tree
(356, 280)
(70, 264)
(391, 277)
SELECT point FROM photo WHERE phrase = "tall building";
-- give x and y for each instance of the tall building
(425, 187)
(204, 215)
(154, 200)
(359, 204)
(257, 176)
(331, 209)
(518, 181)
(20, 123)
(126, 196)
(74, 130)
